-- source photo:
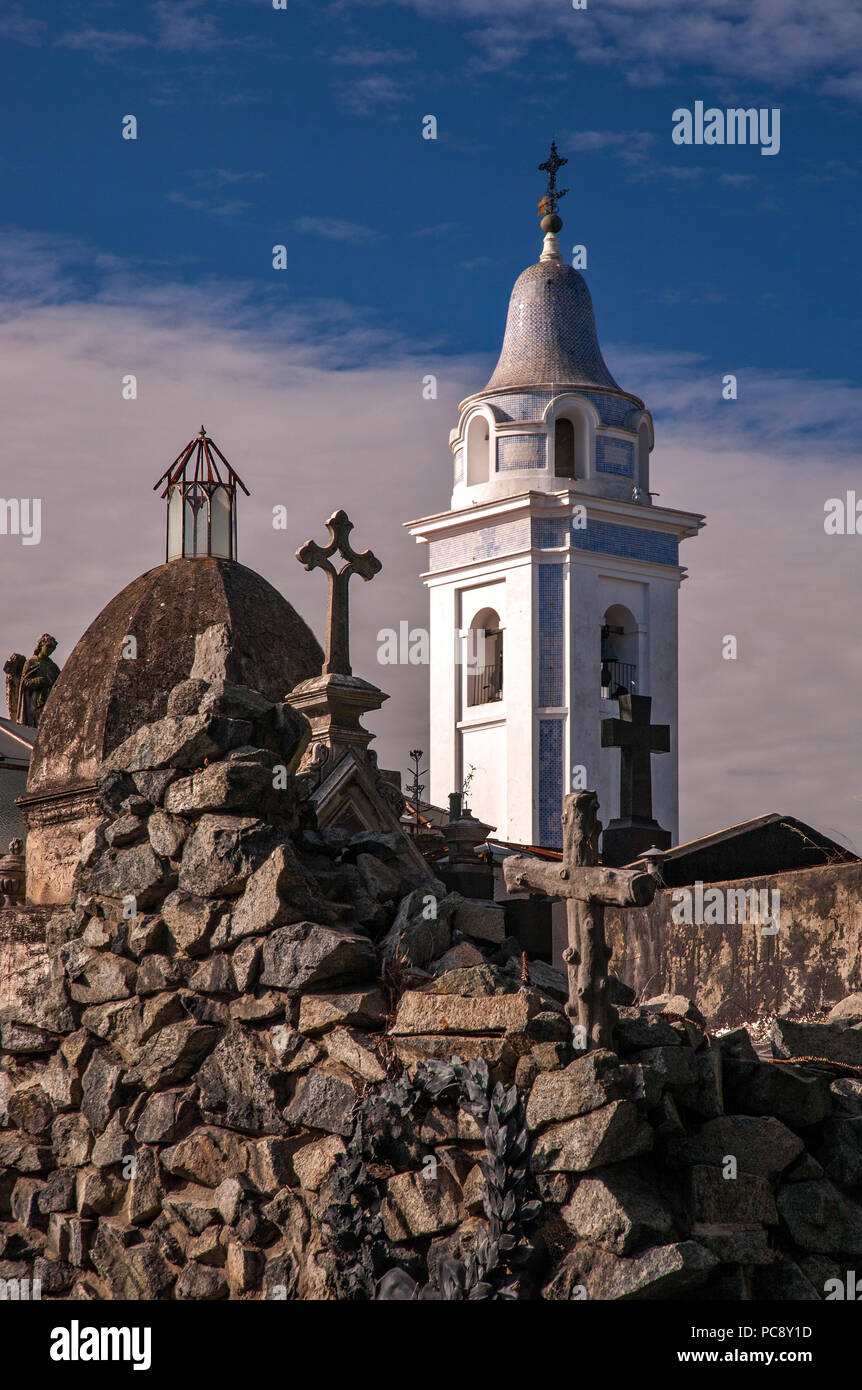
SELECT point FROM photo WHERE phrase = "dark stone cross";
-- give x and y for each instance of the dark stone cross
(634, 830)
(366, 565)
(587, 888)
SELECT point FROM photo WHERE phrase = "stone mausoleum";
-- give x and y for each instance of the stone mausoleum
(140, 646)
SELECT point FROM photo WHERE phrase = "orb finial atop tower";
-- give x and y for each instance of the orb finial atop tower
(551, 222)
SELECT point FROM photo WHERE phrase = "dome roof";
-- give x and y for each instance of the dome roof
(551, 332)
(101, 697)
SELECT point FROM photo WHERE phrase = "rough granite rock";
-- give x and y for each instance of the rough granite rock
(636, 1029)
(136, 1272)
(745, 1199)
(837, 1145)
(421, 929)
(281, 891)
(820, 1218)
(586, 1084)
(177, 741)
(190, 921)
(760, 1144)
(667, 1271)
(314, 1162)
(101, 1090)
(354, 1051)
(421, 1011)
(848, 1011)
(171, 1055)
(237, 785)
(364, 1008)
(791, 1095)
(324, 1101)
(207, 1156)
(416, 1207)
(835, 1041)
(609, 1135)
(137, 872)
(235, 1084)
(481, 921)
(619, 1209)
(167, 834)
(304, 955)
(222, 852)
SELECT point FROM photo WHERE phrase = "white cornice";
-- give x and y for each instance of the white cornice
(547, 505)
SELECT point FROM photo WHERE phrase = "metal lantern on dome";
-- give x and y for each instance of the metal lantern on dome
(200, 488)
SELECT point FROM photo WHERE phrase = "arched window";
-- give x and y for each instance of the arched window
(478, 450)
(619, 654)
(571, 444)
(485, 658)
(564, 448)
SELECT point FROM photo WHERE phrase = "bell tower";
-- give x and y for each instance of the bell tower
(553, 578)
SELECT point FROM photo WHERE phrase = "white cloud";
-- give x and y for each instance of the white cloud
(233, 207)
(22, 28)
(103, 44)
(335, 229)
(371, 57)
(768, 42)
(368, 94)
(173, 26)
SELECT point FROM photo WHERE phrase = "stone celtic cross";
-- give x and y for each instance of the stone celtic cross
(366, 565)
(587, 888)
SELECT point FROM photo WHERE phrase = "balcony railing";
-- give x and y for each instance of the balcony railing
(618, 678)
(485, 684)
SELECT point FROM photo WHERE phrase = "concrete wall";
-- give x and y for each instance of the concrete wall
(735, 972)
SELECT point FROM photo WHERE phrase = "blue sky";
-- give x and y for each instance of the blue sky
(303, 127)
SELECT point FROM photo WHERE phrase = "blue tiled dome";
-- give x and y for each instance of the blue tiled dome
(551, 332)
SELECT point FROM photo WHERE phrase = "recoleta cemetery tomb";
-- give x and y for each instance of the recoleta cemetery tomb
(276, 1025)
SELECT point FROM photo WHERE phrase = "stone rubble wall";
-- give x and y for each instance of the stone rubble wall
(270, 1061)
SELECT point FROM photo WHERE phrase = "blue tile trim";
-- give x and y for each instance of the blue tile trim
(609, 538)
(526, 405)
(550, 783)
(551, 635)
(548, 533)
(486, 543)
(519, 451)
(614, 456)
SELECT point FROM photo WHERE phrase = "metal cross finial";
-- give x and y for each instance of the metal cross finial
(416, 788)
(313, 556)
(550, 167)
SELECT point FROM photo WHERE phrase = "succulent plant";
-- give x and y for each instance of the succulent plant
(382, 1132)
(491, 1270)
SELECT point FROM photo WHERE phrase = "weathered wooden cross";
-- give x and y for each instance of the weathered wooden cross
(366, 565)
(587, 888)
